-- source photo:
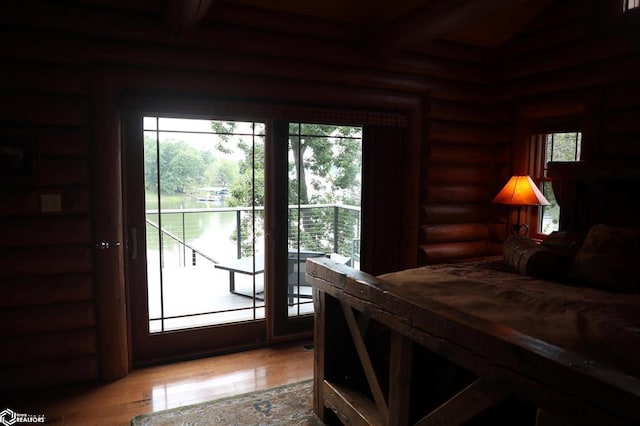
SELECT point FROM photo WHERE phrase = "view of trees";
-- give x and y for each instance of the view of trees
(559, 146)
(184, 168)
(332, 155)
(563, 146)
(324, 167)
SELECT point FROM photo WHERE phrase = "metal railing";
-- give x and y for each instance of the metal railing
(183, 243)
(319, 227)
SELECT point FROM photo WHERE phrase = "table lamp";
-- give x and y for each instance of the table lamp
(520, 191)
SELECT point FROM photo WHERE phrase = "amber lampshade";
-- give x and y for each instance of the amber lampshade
(520, 191)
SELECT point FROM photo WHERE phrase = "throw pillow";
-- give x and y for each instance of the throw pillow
(564, 243)
(609, 259)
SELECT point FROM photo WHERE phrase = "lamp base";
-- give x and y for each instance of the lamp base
(520, 229)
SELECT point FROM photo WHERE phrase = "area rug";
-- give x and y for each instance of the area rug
(283, 405)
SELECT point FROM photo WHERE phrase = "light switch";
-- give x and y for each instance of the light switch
(50, 203)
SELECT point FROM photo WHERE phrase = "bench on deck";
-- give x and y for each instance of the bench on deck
(254, 265)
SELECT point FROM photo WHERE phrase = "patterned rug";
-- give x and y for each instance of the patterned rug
(283, 405)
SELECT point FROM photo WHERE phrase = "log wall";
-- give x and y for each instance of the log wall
(47, 306)
(578, 59)
(466, 142)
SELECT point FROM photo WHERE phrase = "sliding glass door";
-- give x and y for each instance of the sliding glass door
(201, 196)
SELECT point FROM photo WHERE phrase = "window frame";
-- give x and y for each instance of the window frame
(630, 5)
(538, 164)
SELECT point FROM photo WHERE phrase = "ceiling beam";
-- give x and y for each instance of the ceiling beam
(185, 15)
(433, 20)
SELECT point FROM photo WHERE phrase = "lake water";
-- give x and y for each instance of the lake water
(210, 227)
(210, 232)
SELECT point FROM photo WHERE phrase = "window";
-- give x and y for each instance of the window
(630, 4)
(546, 147)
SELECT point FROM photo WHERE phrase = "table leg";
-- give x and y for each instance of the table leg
(232, 281)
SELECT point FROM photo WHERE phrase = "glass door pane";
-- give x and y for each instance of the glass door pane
(325, 164)
(204, 207)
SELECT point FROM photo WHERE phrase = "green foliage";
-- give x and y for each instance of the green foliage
(184, 168)
(248, 188)
(325, 164)
(181, 167)
(331, 155)
(222, 172)
(248, 191)
(563, 146)
(328, 158)
(225, 130)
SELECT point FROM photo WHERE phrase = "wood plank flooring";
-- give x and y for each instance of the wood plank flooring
(168, 386)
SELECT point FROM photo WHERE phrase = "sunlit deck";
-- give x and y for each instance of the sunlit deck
(195, 296)
(201, 294)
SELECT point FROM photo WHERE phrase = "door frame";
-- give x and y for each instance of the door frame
(150, 348)
(276, 167)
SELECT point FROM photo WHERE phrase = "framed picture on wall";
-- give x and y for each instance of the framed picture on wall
(17, 159)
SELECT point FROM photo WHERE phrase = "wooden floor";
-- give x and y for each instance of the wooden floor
(168, 386)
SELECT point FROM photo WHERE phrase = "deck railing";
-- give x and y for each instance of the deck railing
(322, 227)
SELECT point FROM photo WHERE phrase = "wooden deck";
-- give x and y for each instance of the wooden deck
(200, 295)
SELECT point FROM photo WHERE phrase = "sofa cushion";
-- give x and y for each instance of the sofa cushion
(609, 259)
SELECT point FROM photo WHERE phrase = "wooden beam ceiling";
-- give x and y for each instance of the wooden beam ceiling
(351, 11)
(185, 15)
(498, 27)
(439, 19)
(384, 26)
(388, 26)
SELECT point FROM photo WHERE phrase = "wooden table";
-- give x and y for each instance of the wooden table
(381, 359)
(249, 266)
